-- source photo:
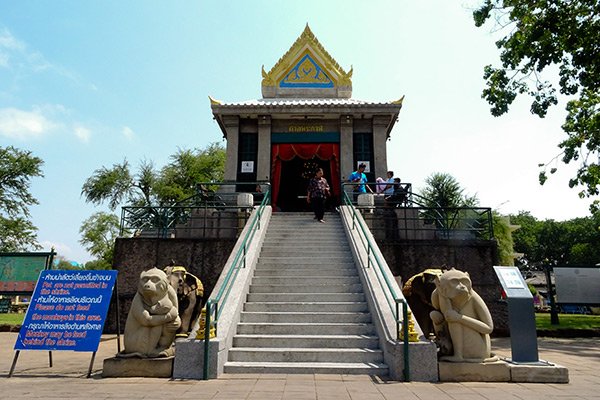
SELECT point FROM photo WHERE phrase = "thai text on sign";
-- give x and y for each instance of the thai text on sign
(67, 311)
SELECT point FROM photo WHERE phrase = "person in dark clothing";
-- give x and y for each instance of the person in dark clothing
(317, 193)
(398, 197)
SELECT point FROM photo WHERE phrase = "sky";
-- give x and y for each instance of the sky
(87, 84)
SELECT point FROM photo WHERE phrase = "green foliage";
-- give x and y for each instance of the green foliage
(174, 182)
(178, 180)
(443, 190)
(17, 168)
(98, 234)
(64, 265)
(540, 34)
(503, 235)
(576, 241)
(98, 265)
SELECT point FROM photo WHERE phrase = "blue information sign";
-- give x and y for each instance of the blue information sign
(67, 311)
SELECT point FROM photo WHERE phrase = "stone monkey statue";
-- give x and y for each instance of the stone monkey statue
(462, 314)
(153, 318)
(417, 291)
(189, 291)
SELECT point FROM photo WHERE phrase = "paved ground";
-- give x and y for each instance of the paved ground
(33, 379)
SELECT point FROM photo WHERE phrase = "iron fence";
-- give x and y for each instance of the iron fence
(216, 211)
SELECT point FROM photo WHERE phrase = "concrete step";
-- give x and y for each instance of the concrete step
(306, 280)
(313, 288)
(263, 271)
(316, 259)
(304, 341)
(305, 317)
(303, 251)
(305, 297)
(287, 328)
(306, 307)
(303, 266)
(318, 355)
(235, 367)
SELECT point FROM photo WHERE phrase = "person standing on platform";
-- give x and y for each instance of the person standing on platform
(317, 193)
(389, 188)
(360, 178)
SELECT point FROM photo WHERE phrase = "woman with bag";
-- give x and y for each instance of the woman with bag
(318, 191)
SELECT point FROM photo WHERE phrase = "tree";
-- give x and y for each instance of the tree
(17, 168)
(148, 187)
(98, 265)
(503, 235)
(98, 235)
(443, 190)
(576, 241)
(541, 34)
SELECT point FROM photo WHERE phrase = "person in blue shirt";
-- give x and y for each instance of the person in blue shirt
(360, 177)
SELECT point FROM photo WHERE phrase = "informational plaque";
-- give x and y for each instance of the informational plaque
(367, 165)
(577, 285)
(247, 167)
(521, 315)
(67, 311)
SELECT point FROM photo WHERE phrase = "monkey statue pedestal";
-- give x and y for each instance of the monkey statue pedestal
(150, 330)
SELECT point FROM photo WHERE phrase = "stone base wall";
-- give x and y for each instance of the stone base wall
(204, 258)
(410, 257)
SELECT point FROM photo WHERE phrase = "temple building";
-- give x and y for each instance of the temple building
(305, 119)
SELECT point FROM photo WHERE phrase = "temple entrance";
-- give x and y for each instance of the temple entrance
(294, 165)
(295, 175)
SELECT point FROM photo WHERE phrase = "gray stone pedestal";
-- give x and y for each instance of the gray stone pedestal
(503, 371)
(117, 367)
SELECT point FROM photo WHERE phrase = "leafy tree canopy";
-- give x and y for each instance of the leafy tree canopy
(576, 241)
(98, 234)
(17, 168)
(176, 181)
(541, 34)
(443, 190)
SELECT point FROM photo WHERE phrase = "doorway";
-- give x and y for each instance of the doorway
(295, 175)
(294, 165)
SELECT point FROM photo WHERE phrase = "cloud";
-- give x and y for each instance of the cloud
(128, 133)
(17, 56)
(83, 133)
(8, 45)
(24, 125)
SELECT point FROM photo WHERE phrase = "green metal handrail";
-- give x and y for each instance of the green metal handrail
(239, 260)
(394, 309)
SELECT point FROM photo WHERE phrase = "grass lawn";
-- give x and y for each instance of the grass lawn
(11, 319)
(567, 321)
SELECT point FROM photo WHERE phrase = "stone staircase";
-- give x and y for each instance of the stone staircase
(306, 309)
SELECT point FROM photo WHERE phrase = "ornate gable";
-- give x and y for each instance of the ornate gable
(307, 71)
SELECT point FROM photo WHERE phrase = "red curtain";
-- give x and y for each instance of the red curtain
(323, 151)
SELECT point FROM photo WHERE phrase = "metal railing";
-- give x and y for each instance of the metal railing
(215, 304)
(409, 217)
(211, 212)
(391, 297)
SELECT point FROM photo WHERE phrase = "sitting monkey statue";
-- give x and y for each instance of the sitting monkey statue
(462, 314)
(153, 318)
(189, 290)
(417, 292)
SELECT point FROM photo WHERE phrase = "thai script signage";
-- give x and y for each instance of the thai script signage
(67, 311)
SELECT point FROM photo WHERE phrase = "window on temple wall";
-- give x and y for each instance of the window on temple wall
(247, 160)
(363, 151)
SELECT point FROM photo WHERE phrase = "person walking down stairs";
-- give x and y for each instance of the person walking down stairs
(317, 193)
